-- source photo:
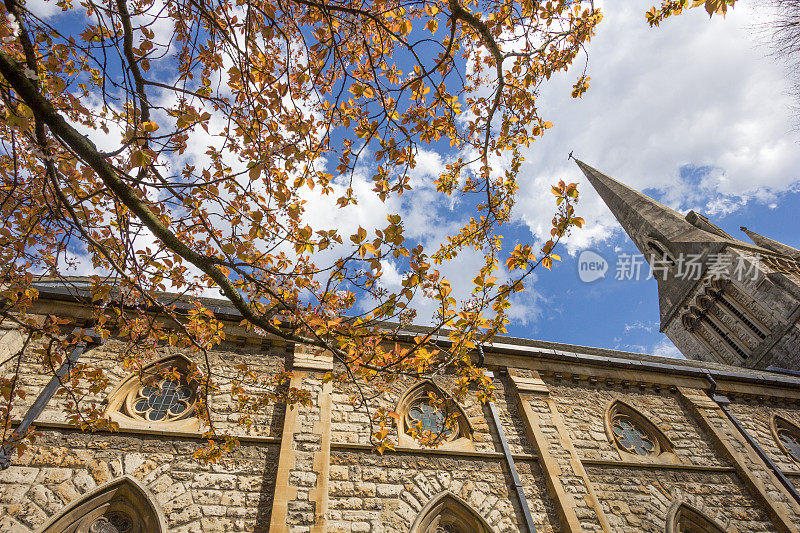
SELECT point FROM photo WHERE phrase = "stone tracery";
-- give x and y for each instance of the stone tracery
(787, 434)
(162, 394)
(634, 434)
(426, 408)
(631, 437)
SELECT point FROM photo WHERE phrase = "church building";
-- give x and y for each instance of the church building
(576, 439)
(720, 299)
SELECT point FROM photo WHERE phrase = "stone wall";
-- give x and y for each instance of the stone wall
(63, 465)
(312, 469)
(637, 500)
(756, 417)
(110, 358)
(583, 407)
(385, 494)
(350, 421)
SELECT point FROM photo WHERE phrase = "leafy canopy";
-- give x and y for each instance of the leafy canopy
(175, 143)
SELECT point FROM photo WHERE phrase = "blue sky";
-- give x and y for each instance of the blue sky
(623, 314)
(693, 113)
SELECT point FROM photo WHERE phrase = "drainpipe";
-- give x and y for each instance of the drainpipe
(723, 401)
(512, 467)
(41, 402)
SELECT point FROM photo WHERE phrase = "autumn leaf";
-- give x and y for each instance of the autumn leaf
(181, 161)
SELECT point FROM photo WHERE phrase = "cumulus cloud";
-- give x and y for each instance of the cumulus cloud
(692, 109)
(43, 9)
(665, 348)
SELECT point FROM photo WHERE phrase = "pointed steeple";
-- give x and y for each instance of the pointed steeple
(747, 322)
(640, 216)
(656, 228)
(771, 244)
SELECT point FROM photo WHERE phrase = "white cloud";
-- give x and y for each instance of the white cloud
(42, 8)
(639, 325)
(693, 93)
(665, 348)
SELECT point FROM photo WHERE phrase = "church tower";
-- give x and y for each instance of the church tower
(721, 299)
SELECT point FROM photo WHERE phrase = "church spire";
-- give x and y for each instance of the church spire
(641, 217)
(662, 233)
(771, 244)
(749, 321)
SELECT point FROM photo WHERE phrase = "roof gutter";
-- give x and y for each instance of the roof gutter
(227, 312)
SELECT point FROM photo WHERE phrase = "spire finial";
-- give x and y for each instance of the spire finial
(771, 244)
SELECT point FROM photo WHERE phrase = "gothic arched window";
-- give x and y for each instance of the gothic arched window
(447, 513)
(634, 435)
(725, 321)
(788, 436)
(121, 506)
(161, 395)
(685, 518)
(427, 414)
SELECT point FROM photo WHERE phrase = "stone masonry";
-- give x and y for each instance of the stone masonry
(313, 469)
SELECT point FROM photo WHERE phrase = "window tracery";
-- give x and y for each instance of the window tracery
(430, 418)
(634, 435)
(427, 414)
(113, 522)
(161, 395)
(631, 437)
(162, 400)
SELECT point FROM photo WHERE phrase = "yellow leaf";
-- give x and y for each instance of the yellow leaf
(140, 158)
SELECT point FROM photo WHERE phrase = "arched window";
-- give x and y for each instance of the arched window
(162, 396)
(447, 513)
(634, 435)
(685, 518)
(788, 436)
(121, 506)
(730, 324)
(724, 322)
(426, 413)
